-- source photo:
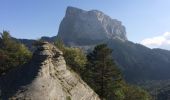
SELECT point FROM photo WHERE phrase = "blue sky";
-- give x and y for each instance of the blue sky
(144, 20)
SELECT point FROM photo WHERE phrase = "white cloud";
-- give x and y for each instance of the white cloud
(162, 41)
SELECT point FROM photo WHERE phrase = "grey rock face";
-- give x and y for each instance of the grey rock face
(46, 77)
(89, 26)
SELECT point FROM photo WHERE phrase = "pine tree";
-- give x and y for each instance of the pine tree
(101, 72)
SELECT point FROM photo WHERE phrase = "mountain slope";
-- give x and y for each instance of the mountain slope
(139, 62)
(45, 77)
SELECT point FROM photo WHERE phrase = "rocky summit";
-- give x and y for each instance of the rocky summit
(45, 77)
(89, 27)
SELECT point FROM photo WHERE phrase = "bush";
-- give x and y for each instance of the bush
(74, 57)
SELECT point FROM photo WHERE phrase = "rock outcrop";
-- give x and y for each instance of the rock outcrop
(45, 77)
(89, 26)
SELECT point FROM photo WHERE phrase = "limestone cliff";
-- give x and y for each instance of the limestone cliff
(84, 27)
(45, 77)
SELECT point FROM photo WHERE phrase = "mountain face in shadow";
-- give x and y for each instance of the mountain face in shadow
(85, 29)
(140, 63)
(45, 77)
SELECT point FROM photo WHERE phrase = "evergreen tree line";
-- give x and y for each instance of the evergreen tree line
(12, 53)
(100, 72)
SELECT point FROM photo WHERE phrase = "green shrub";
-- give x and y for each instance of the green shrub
(74, 57)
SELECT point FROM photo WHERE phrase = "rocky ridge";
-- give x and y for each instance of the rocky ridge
(45, 77)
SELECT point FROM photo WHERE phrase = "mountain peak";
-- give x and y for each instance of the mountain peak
(90, 25)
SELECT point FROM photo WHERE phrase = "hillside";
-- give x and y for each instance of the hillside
(45, 77)
(140, 63)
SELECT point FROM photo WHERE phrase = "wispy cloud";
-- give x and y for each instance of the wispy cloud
(162, 41)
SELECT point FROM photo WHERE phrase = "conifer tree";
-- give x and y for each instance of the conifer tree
(101, 72)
